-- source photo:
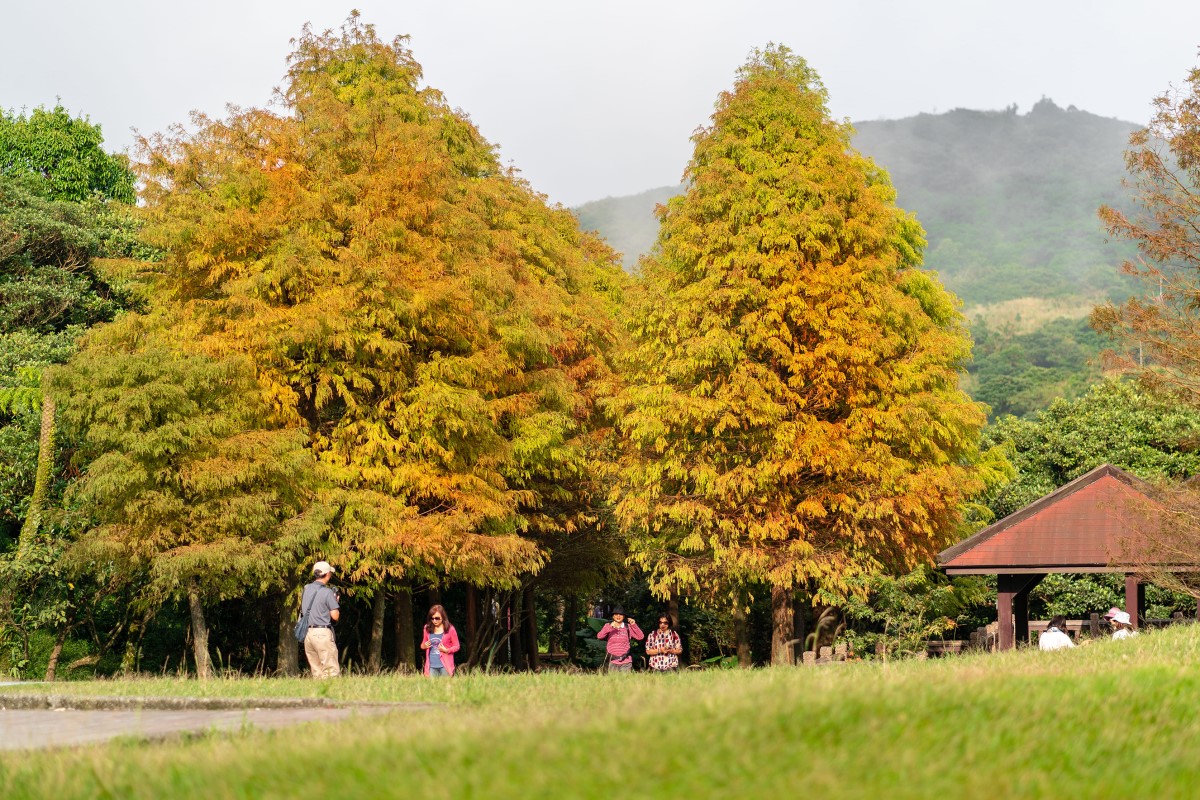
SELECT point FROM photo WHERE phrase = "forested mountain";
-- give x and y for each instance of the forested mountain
(1008, 202)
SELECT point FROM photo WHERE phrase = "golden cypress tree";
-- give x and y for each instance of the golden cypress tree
(792, 416)
(437, 331)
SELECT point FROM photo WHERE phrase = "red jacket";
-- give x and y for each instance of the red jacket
(449, 641)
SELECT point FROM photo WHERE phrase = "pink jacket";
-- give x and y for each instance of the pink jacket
(619, 640)
(449, 641)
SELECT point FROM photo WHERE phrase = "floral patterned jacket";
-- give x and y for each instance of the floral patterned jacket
(659, 640)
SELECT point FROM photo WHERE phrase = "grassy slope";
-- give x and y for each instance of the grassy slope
(1110, 720)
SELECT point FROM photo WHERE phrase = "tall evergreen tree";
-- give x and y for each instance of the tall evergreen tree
(793, 416)
(437, 331)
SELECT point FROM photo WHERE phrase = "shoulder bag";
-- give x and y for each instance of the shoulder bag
(301, 629)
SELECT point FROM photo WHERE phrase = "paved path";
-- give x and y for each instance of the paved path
(29, 729)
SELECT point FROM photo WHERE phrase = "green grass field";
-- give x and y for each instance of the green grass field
(1114, 719)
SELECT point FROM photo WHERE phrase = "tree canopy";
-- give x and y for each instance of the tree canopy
(793, 416)
(427, 323)
(1115, 422)
(64, 155)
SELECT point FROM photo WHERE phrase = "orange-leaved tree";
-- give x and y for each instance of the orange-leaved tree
(1157, 331)
(438, 331)
(792, 416)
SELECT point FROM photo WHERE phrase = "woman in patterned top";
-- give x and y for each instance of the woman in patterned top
(663, 646)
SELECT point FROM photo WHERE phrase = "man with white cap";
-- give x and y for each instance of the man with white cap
(321, 602)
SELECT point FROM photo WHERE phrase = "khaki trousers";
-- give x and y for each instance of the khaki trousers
(321, 651)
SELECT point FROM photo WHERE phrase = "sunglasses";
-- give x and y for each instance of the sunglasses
(437, 619)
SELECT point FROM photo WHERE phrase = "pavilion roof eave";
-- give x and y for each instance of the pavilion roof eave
(1064, 568)
(949, 554)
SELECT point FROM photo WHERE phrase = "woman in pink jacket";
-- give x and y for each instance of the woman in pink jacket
(440, 643)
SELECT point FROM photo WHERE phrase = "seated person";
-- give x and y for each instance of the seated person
(1122, 626)
(1055, 637)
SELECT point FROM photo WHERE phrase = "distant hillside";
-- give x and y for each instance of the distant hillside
(1008, 200)
(627, 223)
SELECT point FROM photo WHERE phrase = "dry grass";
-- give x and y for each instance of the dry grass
(1027, 314)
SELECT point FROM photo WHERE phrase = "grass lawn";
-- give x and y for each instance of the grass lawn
(1114, 719)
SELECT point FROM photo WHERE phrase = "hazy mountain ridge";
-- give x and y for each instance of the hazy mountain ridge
(1008, 200)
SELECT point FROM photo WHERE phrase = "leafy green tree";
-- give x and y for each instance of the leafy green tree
(63, 155)
(793, 416)
(61, 213)
(182, 480)
(1116, 422)
(1022, 373)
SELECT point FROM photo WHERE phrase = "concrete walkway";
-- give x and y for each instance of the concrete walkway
(30, 729)
(41, 721)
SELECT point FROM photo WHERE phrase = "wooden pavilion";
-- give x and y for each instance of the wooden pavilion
(1086, 526)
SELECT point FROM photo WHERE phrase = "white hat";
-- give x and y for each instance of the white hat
(1122, 617)
(322, 567)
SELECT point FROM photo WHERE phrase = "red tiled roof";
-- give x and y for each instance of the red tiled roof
(1089, 524)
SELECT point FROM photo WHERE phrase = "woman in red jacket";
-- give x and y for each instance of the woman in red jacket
(440, 643)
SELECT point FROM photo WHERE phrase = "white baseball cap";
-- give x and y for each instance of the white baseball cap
(322, 567)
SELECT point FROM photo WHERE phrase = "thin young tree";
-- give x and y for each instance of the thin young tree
(1156, 334)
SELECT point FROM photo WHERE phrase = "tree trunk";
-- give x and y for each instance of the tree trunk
(406, 645)
(131, 659)
(572, 628)
(472, 613)
(199, 634)
(287, 657)
(42, 479)
(741, 634)
(59, 640)
(556, 630)
(531, 631)
(782, 626)
(800, 623)
(516, 649)
(375, 651)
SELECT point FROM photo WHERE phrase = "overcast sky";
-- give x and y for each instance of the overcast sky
(592, 99)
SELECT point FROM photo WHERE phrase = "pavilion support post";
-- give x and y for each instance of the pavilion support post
(1004, 614)
(1142, 603)
(1133, 593)
(1198, 609)
(1021, 615)
(1012, 601)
